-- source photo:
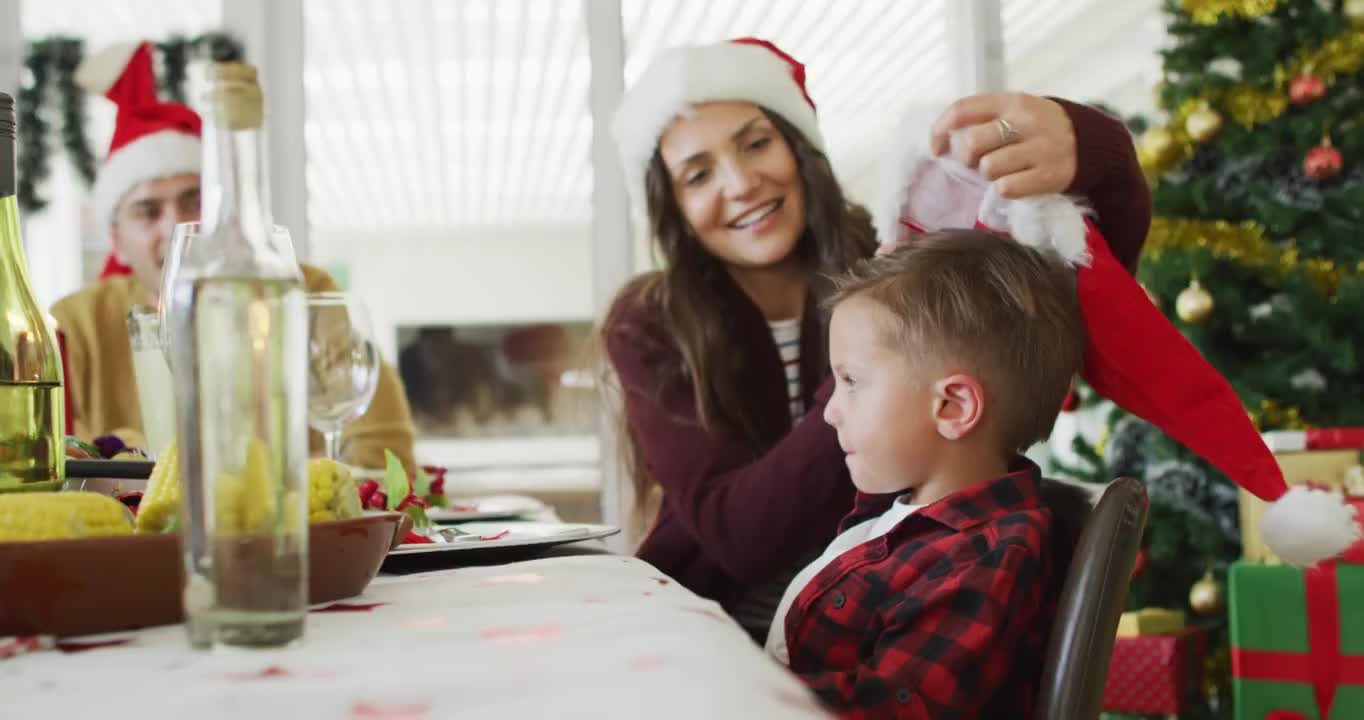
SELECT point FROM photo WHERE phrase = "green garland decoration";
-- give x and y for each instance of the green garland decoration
(33, 129)
(50, 75)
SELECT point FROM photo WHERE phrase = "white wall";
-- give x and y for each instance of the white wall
(498, 275)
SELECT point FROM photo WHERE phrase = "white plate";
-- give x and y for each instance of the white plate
(518, 534)
(487, 508)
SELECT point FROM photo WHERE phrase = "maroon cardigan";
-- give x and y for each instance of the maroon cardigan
(732, 516)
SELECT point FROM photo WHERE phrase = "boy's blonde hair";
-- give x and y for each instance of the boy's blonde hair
(978, 302)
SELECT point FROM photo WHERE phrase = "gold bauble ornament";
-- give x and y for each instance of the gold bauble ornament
(1354, 9)
(1203, 124)
(1205, 597)
(1158, 143)
(1194, 304)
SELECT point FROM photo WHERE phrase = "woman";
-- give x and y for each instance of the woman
(721, 356)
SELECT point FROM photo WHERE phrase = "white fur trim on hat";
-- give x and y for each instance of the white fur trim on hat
(680, 78)
(161, 154)
(1307, 525)
(98, 72)
(956, 196)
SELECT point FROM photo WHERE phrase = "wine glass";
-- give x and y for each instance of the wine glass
(176, 290)
(343, 364)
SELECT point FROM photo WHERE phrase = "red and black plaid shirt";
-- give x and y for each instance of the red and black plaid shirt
(945, 616)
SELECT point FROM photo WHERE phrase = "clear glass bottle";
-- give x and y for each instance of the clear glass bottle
(32, 410)
(239, 357)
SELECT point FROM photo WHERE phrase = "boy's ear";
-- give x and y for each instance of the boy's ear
(958, 405)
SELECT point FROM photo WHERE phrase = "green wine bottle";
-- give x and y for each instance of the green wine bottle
(31, 400)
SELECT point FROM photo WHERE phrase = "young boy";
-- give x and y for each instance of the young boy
(951, 355)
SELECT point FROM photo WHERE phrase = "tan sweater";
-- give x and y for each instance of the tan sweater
(94, 322)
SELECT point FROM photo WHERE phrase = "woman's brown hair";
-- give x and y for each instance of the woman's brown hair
(837, 234)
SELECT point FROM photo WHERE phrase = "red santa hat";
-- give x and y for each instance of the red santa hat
(1134, 356)
(745, 69)
(152, 139)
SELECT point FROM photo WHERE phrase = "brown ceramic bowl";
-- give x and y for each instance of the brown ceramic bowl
(79, 587)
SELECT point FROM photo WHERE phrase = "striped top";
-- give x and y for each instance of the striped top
(786, 333)
(755, 610)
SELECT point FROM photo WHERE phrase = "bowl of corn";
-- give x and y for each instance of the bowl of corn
(76, 563)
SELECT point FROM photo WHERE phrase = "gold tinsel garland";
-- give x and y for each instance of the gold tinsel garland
(1244, 243)
(1250, 105)
(1208, 12)
(1273, 416)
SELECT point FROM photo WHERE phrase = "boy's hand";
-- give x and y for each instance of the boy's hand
(1032, 152)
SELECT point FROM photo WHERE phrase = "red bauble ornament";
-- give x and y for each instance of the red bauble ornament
(1323, 161)
(1306, 89)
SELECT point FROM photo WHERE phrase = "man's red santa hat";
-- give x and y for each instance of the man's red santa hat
(152, 139)
(1134, 356)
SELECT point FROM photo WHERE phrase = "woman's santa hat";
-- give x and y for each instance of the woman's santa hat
(746, 69)
(1133, 355)
(152, 139)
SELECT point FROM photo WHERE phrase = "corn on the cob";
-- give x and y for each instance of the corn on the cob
(28, 517)
(332, 493)
(161, 500)
(246, 503)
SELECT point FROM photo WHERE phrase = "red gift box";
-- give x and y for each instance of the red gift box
(1155, 675)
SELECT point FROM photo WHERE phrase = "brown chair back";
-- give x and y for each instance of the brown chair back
(1106, 538)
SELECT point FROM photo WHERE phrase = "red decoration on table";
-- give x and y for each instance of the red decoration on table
(522, 633)
(412, 501)
(415, 539)
(367, 490)
(1323, 161)
(1323, 666)
(1306, 89)
(268, 672)
(70, 647)
(349, 607)
(378, 500)
(498, 536)
(12, 647)
(380, 711)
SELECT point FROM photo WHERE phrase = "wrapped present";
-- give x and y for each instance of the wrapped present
(1326, 458)
(1297, 641)
(1287, 441)
(1150, 621)
(1155, 675)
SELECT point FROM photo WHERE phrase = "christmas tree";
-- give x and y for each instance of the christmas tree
(1256, 253)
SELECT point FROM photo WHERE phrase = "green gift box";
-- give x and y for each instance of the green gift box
(1297, 641)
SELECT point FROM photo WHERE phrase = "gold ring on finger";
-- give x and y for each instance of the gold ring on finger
(1008, 134)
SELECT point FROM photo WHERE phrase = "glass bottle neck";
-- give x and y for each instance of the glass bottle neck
(13, 266)
(236, 187)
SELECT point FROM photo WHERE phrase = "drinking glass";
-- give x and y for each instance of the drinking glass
(155, 391)
(343, 364)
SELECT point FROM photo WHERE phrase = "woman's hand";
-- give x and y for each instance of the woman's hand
(1024, 144)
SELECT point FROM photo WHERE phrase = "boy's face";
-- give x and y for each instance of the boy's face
(886, 416)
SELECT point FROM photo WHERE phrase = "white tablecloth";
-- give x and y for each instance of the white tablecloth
(569, 637)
